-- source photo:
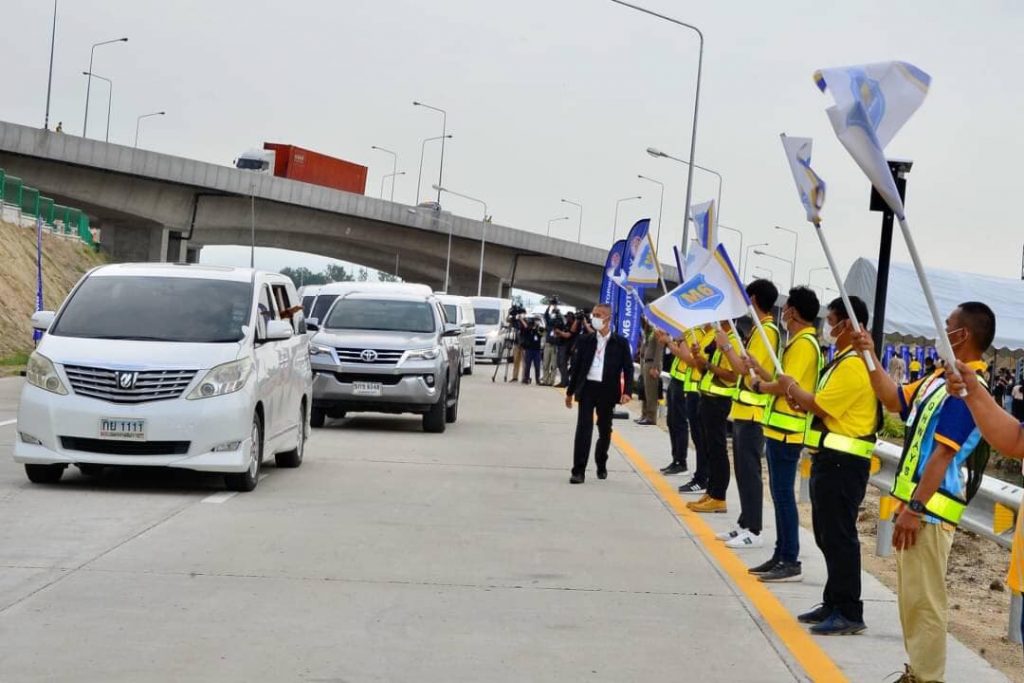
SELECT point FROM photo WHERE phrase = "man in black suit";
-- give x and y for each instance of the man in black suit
(601, 376)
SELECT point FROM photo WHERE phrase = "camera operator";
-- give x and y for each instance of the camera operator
(553, 324)
(566, 336)
(515, 312)
(530, 339)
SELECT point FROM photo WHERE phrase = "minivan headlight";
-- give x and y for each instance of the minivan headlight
(423, 354)
(223, 379)
(40, 373)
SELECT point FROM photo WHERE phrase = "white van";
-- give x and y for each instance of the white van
(459, 311)
(327, 294)
(307, 294)
(490, 314)
(165, 365)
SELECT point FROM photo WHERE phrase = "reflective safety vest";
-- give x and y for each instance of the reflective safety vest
(682, 372)
(747, 396)
(818, 436)
(676, 371)
(948, 506)
(785, 422)
(710, 384)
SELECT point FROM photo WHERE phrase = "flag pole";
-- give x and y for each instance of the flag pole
(657, 265)
(842, 290)
(941, 340)
(764, 338)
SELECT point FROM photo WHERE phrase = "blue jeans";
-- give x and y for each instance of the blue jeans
(782, 463)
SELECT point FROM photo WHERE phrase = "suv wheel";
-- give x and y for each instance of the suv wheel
(247, 481)
(293, 458)
(434, 419)
(472, 364)
(451, 413)
(44, 474)
(317, 418)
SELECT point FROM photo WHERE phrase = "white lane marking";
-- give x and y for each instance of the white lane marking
(7, 422)
(225, 496)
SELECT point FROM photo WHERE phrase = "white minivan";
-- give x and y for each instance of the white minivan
(196, 367)
(459, 311)
(491, 314)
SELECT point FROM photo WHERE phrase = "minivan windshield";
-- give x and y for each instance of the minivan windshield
(449, 310)
(381, 314)
(322, 305)
(486, 316)
(167, 309)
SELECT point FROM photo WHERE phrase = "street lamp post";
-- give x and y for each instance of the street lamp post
(739, 266)
(746, 256)
(779, 258)
(393, 177)
(812, 270)
(483, 237)
(419, 176)
(88, 85)
(696, 107)
(49, 78)
(579, 231)
(615, 225)
(796, 240)
(394, 170)
(555, 220)
(444, 134)
(657, 153)
(110, 96)
(661, 204)
(138, 121)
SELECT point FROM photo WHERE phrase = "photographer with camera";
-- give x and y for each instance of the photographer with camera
(530, 339)
(553, 324)
(566, 337)
(515, 312)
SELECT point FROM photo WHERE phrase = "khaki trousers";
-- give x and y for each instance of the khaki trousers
(550, 363)
(921, 592)
(650, 407)
(517, 360)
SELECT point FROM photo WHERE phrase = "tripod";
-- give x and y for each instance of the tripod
(507, 343)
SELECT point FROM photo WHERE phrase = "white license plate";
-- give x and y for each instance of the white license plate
(367, 389)
(121, 428)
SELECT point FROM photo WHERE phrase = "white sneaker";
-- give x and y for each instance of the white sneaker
(745, 540)
(732, 533)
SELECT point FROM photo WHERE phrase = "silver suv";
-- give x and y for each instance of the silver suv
(388, 353)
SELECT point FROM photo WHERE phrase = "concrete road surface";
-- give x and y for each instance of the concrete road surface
(390, 555)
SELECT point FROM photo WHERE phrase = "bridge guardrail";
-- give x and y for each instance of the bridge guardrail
(991, 514)
(24, 205)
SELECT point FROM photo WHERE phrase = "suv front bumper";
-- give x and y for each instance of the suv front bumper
(413, 390)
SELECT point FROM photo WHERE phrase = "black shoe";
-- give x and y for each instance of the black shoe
(692, 487)
(785, 572)
(513, 380)
(816, 615)
(673, 468)
(764, 567)
(602, 474)
(576, 479)
(526, 381)
(837, 625)
(644, 422)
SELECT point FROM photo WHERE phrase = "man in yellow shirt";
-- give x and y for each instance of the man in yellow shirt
(841, 438)
(784, 428)
(915, 369)
(687, 350)
(1003, 433)
(746, 414)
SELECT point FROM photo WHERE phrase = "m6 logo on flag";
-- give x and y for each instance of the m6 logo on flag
(698, 294)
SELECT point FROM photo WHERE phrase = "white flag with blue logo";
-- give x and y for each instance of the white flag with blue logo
(710, 294)
(705, 222)
(873, 101)
(808, 184)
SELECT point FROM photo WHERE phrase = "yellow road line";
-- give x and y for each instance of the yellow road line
(818, 665)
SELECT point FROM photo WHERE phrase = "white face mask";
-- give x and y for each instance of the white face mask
(832, 332)
(597, 324)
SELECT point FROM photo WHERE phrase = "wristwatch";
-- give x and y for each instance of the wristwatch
(916, 506)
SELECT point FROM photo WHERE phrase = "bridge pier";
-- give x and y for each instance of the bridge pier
(464, 283)
(141, 243)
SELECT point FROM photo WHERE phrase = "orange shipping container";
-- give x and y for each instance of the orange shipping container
(308, 166)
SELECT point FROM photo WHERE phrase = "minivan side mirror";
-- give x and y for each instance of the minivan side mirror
(452, 330)
(312, 324)
(278, 330)
(41, 320)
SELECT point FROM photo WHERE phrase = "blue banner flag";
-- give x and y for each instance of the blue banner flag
(642, 271)
(36, 334)
(612, 264)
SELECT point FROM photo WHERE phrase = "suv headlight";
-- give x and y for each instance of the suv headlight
(223, 379)
(423, 354)
(40, 373)
(318, 350)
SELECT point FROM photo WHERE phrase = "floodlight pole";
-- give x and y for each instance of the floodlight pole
(899, 170)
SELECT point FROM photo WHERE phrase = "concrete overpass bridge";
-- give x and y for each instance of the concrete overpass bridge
(153, 207)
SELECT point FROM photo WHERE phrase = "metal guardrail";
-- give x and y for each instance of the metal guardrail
(991, 514)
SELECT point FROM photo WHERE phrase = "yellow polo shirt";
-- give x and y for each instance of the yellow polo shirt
(1015, 578)
(848, 399)
(706, 337)
(759, 352)
(799, 361)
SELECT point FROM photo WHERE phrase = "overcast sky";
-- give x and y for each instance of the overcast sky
(559, 98)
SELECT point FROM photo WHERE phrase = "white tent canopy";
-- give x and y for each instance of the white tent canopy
(906, 312)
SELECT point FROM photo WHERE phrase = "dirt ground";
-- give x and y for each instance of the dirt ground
(64, 262)
(978, 598)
